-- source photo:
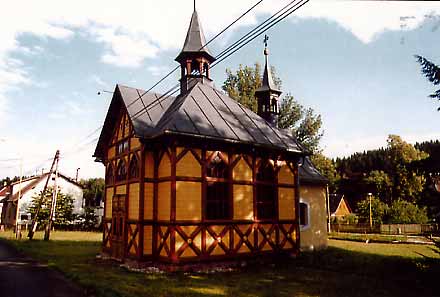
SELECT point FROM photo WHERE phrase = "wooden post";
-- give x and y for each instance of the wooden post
(34, 220)
(17, 214)
(54, 200)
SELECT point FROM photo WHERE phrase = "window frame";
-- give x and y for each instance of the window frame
(117, 179)
(219, 182)
(265, 185)
(134, 160)
(306, 226)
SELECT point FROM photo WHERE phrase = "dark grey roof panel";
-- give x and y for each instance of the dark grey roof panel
(204, 112)
(308, 173)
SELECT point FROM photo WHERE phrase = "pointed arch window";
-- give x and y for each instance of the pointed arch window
(109, 176)
(121, 171)
(217, 189)
(266, 191)
(133, 168)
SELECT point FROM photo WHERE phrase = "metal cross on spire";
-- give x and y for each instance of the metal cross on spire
(266, 38)
(194, 5)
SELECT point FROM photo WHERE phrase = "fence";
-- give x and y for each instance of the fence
(387, 228)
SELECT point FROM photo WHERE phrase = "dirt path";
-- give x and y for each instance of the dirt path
(23, 277)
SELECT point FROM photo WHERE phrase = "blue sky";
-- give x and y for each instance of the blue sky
(350, 61)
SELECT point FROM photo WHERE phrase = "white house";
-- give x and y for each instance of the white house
(32, 187)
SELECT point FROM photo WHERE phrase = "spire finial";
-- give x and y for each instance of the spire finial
(194, 5)
(266, 39)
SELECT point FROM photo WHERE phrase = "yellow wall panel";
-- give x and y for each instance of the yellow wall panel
(133, 202)
(134, 143)
(111, 152)
(242, 171)
(164, 201)
(148, 201)
(149, 165)
(108, 202)
(315, 235)
(243, 202)
(148, 240)
(120, 190)
(165, 166)
(188, 200)
(188, 166)
(285, 175)
(286, 203)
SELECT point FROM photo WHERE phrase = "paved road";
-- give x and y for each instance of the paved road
(23, 277)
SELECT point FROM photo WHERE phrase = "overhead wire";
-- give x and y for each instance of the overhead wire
(206, 44)
(274, 19)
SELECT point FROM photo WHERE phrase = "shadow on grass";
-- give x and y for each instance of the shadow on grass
(333, 272)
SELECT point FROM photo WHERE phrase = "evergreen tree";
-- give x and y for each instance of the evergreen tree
(64, 216)
(432, 73)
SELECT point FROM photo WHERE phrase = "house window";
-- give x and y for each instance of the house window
(109, 176)
(122, 147)
(217, 190)
(266, 191)
(121, 171)
(304, 216)
(133, 170)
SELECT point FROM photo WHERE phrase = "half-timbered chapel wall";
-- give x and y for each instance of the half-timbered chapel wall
(123, 187)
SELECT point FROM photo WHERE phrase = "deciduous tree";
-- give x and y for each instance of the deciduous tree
(303, 122)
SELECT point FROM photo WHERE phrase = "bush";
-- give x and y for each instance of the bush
(404, 212)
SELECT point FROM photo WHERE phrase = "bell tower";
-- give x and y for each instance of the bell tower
(195, 58)
(268, 94)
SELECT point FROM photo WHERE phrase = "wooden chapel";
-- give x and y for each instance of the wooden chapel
(198, 177)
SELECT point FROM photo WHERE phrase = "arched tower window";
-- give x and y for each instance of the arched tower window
(217, 189)
(266, 191)
(109, 175)
(133, 168)
(121, 171)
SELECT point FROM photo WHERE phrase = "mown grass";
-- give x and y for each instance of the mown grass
(377, 238)
(345, 269)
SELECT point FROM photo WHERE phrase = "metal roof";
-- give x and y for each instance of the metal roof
(202, 112)
(195, 40)
(309, 174)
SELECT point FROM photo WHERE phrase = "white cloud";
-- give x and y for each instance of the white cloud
(367, 19)
(158, 70)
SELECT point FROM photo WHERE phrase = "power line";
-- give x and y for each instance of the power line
(206, 44)
(280, 15)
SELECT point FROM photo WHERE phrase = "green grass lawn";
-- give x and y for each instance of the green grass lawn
(345, 269)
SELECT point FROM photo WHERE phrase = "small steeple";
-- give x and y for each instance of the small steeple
(194, 58)
(268, 94)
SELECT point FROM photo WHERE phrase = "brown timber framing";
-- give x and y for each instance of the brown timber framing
(258, 233)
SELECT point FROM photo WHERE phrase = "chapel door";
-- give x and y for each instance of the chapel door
(118, 227)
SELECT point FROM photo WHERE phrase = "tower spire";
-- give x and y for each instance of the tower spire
(268, 94)
(195, 58)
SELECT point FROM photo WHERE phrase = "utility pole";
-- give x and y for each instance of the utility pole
(54, 201)
(371, 216)
(327, 196)
(43, 193)
(17, 214)
(77, 174)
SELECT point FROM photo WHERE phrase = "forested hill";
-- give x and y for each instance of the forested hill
(399, 171)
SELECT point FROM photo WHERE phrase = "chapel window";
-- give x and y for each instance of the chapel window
(133, 170)
(121, 171)
(266, 191)
(109, 176)
(217, 190)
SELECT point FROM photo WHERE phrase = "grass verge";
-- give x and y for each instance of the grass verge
(345, 269)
